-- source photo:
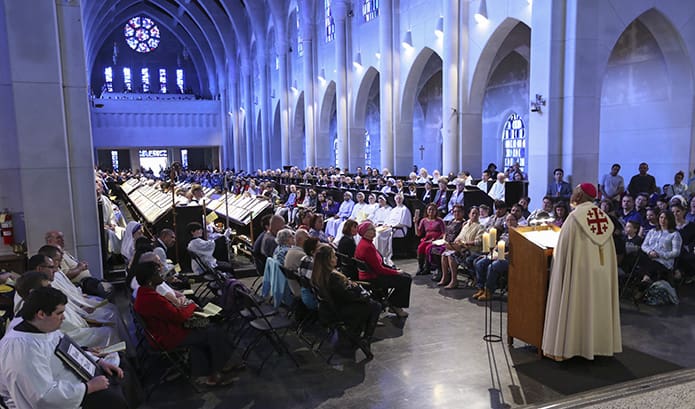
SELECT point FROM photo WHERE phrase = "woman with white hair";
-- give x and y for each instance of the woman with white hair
(285, 240)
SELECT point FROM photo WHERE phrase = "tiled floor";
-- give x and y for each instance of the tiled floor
(434, 359)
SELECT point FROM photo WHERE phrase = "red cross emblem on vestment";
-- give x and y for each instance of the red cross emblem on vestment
(597, 221)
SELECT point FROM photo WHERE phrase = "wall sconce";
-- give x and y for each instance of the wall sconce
(255, 100)
(481, 15)
(537, 104)
(408, 39)
(322, 74)
(272, 93)
(294, 86)
(358, 60)
(439, 28)
(377, 55)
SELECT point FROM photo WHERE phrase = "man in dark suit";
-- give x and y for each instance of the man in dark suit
(428, 195)
(559, 189)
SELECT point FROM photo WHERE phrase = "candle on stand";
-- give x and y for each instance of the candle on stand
(500, 250)
(493, 237)
(486, 242)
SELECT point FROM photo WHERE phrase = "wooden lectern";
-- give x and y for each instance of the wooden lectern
(528, 285)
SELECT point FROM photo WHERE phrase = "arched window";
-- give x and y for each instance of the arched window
(145, 76)
(300, 42)
(329, 21)
(367, 149)
(514, 142)
(370, 9)
(141, 34)
(335, 150)
(108, 78)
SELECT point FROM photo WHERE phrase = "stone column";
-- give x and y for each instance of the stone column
(340, 9)
(53, 130)
(247, 84)
(233, 116)
(282, 49)
(386, 88)
(308, 28)
(546, 78)
(450, 76)
(581, 102)
(264, 103)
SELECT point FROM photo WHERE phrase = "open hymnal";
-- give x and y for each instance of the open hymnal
(76, 359)
(187, 291)
(543, 238)
(439, 242)
(113, 348)
(209, 310)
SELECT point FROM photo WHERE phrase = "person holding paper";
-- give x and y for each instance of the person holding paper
(209, 347)
(33, 376)
(582, 314)
(488, 270)
(469, 240)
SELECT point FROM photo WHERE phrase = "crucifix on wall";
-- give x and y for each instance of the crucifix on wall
(422, 149)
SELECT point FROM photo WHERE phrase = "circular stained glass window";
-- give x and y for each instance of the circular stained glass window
(141, 34)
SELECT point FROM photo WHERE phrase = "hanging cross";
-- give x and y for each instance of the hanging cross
(422, 149)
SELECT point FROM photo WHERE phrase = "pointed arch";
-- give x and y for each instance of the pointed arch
(298, 134)
(427, 63)
(326, 131)
(647, 74)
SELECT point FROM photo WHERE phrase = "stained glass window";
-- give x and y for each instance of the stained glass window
(114, 160)
(335, 150)
(127, 79)
(145, 75)
(277, 62)
(367, 149)
(179, 80)
(300, 43)
(141, 34)
(108, 78)
(514, 140)
(370, 9)
(162, 80)
(184, 158)
(330, 22)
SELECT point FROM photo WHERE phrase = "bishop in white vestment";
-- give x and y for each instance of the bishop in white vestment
(582, 315)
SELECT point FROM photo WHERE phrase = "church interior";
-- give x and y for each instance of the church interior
(255, 102)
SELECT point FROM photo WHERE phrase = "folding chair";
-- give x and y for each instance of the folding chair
(347, 266)
(150, 353)
(266, 327)
(331, 320)
(213, 279)
(379, 294)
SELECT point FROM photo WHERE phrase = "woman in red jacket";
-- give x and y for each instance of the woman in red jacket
(209, 348)
(379, 275)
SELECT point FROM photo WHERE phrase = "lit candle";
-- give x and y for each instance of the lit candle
(500, 250)
(493, 237)
(486, 242)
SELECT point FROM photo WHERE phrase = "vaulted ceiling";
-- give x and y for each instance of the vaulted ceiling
(218, 34)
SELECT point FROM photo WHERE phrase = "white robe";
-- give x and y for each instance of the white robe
(105, 313)
(204, 249)
(397, 216)
(68, 263)
(582, 315)
(33, 376)
(360, 212)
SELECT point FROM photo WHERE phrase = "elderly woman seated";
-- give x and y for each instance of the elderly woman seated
(274, 282)
(209, 348)
(396, 225)
(378, 274)
(466, 245)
